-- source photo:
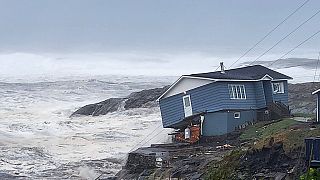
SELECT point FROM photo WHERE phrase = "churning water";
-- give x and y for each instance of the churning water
(38, 140)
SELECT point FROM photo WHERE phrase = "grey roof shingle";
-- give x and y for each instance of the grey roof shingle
(255, 72)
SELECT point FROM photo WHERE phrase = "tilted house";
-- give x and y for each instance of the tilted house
(226, 99)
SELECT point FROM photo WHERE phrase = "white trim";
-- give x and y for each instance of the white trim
(281, 86)
(315, 92)
(234, 115)
(186, 113)
(184, 102)
(281, 80)
(241, 94)
(212, 79)
(318, 108)
(177, 81)
(170, 88)
(192, 77)
(267, 77)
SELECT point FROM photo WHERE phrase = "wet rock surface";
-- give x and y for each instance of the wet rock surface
(177, 161)
(141, 99)
(269, 162)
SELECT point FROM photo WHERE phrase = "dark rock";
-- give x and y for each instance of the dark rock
(263, 163)
(141, 99)
(109, 105)
(100, 108)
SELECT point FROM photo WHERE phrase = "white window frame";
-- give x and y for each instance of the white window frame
(236, 115)
(184, 101)
(279, 87)
(237, 91)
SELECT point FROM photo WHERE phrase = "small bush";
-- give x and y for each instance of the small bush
(312, 174)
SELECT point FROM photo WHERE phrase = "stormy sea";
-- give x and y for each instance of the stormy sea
(38, 139)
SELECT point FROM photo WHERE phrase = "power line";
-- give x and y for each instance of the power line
(315, 72)
(272, 30)
(314, 34)
(145, 138)
(153, 137)
(285, 37)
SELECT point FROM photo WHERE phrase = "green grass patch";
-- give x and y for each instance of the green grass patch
(288, 131)
(261, 131)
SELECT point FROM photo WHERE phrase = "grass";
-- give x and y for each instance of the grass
(261, 131)
(288, 131)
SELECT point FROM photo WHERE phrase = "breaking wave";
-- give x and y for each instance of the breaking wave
(38, 139)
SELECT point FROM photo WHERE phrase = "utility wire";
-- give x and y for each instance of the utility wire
(304, 41)
(315, 72)
(285, 37)
(153, 137)
(145, 138)
(271, 31)
(217, 68)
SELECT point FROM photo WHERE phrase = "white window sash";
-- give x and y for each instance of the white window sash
(278, 88)
(237, 91)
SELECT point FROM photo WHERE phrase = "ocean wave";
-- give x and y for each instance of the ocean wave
(39, 140)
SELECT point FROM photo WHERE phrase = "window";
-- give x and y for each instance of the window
(237, 91)
(278, 88)
(186, 100)
(236, 115)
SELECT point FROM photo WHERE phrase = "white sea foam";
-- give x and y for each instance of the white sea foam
(39, 140)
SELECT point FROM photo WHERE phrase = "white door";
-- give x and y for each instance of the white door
(187, 106)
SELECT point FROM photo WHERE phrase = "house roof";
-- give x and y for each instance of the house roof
(249, 73)
(255, 72)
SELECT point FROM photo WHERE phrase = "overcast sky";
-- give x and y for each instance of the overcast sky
(146, 36)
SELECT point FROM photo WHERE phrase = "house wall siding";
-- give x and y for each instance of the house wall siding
(215, 97)
(245, 117)
(260, 96)
(207, 98)
(171, 110)
(268, 92)
(222, 122)
(248, 103)
(214, 124)
(282, 97)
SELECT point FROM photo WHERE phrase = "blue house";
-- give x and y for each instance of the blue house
(223, 101)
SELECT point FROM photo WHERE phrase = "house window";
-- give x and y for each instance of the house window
(278, 87)
(237, 91)
(186, 100)
(236, 115)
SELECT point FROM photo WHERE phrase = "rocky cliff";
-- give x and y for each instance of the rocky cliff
(142, 99)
